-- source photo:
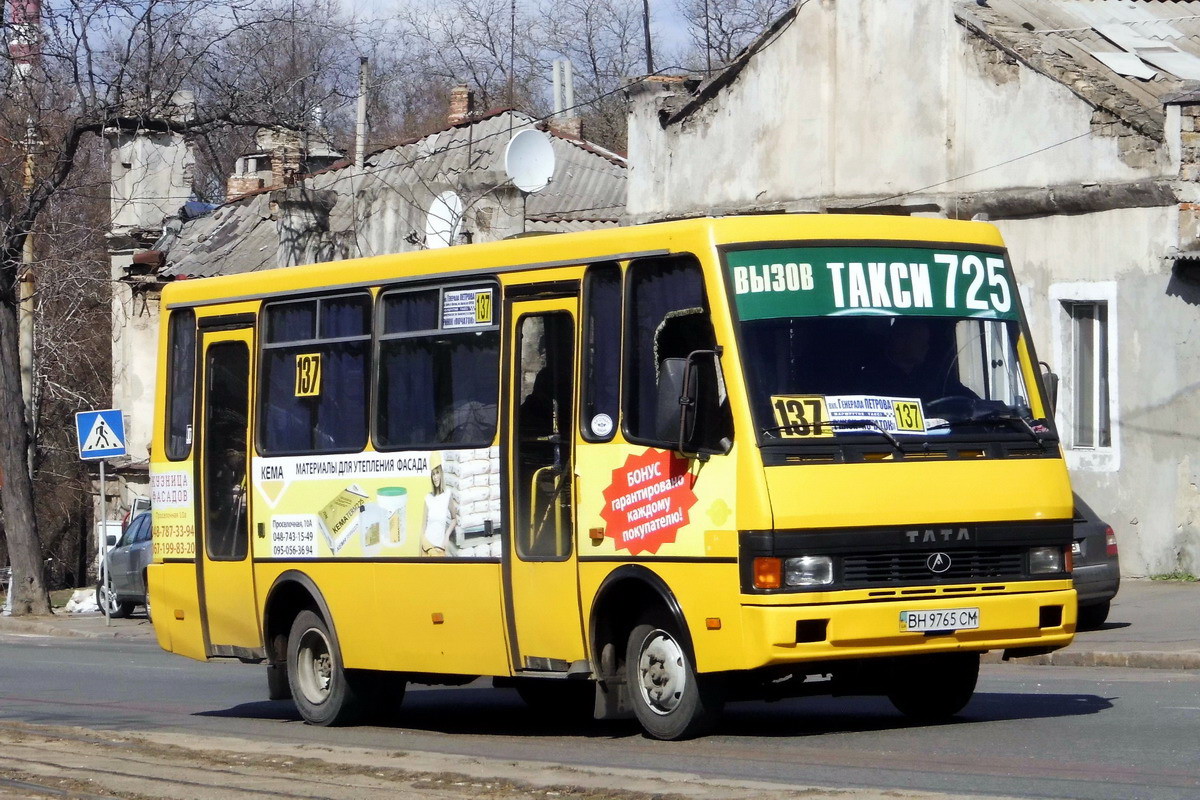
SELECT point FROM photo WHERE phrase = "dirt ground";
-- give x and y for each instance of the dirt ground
(49, 762)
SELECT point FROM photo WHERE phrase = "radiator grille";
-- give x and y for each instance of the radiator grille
(909, 567)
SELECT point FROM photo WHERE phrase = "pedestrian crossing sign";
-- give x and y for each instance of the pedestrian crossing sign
(101, 434)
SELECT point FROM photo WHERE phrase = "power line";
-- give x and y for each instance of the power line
(978, 171)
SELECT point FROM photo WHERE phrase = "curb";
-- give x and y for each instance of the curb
(40, 627)
(1142, 659)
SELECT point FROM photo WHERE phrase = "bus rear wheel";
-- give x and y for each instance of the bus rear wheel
(933, 688)
(323, 694)
(670, 700)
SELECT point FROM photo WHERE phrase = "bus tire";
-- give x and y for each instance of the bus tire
(670, 700)
(320, 688)
(934, 688)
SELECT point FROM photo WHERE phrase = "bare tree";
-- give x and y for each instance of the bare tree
(495, 46)
(720, 29)
(83, 67)
(604, 42)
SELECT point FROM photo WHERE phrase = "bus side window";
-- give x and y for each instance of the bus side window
(666, 320)
(181, 383)
(315, 375)
(601, 351)
(439, 368)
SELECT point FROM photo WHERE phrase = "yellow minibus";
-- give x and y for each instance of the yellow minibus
(634, 472)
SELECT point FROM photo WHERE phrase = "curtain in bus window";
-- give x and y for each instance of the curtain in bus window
(345, 316)
(406, 382)
(341, 410)
(181, 383)
(286, 425)
(409, 312)
(291, 322)
(439, 390)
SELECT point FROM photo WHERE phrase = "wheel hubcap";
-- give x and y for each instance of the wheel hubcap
(662, 672)
(314, 663)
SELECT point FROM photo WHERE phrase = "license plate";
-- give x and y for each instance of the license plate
(941, 619)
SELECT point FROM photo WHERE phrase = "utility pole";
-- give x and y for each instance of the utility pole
(646, 34)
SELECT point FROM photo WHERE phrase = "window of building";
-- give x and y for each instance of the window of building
(181, 383)
(316, 378)
(1090, 423)
(1085, 342)
(439, 368)
(601, 351)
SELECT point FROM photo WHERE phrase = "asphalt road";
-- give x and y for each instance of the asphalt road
(1031, 731)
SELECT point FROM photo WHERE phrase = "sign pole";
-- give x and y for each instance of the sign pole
(107, 583)
(101, 435)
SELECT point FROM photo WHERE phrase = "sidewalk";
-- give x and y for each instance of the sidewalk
(1153, 624)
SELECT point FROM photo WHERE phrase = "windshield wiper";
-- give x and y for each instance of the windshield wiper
(865, 425)
(1014, 421)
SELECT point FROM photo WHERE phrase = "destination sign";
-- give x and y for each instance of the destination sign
(828, 281)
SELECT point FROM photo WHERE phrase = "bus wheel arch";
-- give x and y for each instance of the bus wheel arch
(290, 594)
(629, 596)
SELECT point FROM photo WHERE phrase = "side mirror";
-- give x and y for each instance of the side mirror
(681, 393)
(675, 413)
(1050, 381)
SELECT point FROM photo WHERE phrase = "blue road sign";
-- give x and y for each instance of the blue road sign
(101, 434)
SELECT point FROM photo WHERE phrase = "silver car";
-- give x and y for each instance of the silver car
(127, 564)
(1097, 570)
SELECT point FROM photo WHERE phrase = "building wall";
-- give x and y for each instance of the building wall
(135, 349)
(869, 99)
(887, 100)
(1147, 485)
(151, 178)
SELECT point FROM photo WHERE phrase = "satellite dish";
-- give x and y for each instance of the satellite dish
(443, 220)
(529, 160)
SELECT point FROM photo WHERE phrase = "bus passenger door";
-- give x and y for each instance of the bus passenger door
(229, 614)
(541, 577)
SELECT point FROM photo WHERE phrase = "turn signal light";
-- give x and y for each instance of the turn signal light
(768, 573)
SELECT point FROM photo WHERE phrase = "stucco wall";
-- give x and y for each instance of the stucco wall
(1149, 489)
(135, 349)
(869, 99)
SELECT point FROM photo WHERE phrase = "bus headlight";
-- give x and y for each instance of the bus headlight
(1045, 560)
(808, 571)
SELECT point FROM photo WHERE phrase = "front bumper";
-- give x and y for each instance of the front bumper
(789, 634)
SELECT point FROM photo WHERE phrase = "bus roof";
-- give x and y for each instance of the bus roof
(564, 249)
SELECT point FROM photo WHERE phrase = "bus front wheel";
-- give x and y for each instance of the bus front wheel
(323, 694)
(670, 700)
(933, 688)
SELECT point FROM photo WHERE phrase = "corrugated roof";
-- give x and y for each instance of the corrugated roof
(1125, 56)
(586, 191)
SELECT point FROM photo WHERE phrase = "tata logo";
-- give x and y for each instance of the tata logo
(938, 535)
(938, 563)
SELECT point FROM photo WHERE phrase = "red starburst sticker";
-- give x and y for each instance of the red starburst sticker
(648, 501)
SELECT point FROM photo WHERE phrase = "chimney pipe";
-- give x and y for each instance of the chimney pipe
(462, 104)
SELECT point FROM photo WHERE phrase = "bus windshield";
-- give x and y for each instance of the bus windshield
(880, 343)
